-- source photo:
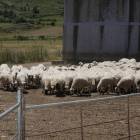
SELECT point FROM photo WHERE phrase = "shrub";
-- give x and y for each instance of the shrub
(42, 37)
(19, 20)
(53, 23)
(20, 37)
(32, 21)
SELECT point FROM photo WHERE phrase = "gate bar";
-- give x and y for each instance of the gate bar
(14, 136)
(9, 110)
(80, 101)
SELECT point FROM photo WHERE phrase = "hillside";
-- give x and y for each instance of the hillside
(19, 16)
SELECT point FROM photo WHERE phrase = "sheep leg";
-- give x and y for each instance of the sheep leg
(122, 92)
(117, 93)
(99, 91)
(81, 91)
(89, 92)
(46, 92)
(77, 91)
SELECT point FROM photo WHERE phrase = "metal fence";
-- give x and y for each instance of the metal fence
(28, 54)
(18, 106)
(21, 119)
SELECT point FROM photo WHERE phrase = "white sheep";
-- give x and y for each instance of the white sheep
(15, 67)
(137, 82)
(45, 84)
(22, 78)
(80, 82)
(105, 82)
(7, 81)
(57, 84)
(68, 79)
(126, 84)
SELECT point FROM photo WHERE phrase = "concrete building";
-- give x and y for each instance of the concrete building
(101, 29)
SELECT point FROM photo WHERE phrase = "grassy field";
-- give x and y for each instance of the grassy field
(30, 51)
(48, 32)
(31, 19)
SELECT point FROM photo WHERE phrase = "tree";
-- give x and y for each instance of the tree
(35, 9)
(5, 13)
(24, 8)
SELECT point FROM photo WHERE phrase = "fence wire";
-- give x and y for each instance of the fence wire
(98, 120)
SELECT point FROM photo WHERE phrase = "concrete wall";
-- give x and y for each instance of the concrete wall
(101, 29)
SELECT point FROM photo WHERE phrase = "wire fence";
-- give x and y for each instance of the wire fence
(28, 54)
(107, 118)
(104, 119)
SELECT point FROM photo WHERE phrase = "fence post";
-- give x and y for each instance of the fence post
(23, 119)
(81, 122)
(19, 114)
(6, 55)
(1, 43)
(41, 54)
(25, 54)
(22, 111)
(18, 42)
(128, 117)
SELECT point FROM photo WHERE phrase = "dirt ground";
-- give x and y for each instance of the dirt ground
(64, 122)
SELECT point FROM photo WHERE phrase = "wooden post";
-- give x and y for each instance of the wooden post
(1, 43)
(6, 55)
(41, 54)
(18, 42)
(50, 43)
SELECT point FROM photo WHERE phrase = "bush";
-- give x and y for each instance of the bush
(32, 21)
(42, 37)
(53, 23)
(38, 22)
(19, 20)
(20, 37)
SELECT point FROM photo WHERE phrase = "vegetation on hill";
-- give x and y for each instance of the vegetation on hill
(17, 16)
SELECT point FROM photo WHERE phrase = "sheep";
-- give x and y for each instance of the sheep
(34, 77)
(7, 81)
(41, 66)
(137, 82)
(91, 81)
(14, 74)
(22, 78)
(68, 79)
(80, 82)
(4, 66)
(45, 84)
(15, 67)
(105, 82)
(57, 84)
(125, 85)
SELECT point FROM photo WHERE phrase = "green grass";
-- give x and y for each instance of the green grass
(29, 54)
(30, 51)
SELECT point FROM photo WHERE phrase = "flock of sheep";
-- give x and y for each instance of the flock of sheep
(108, 76)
